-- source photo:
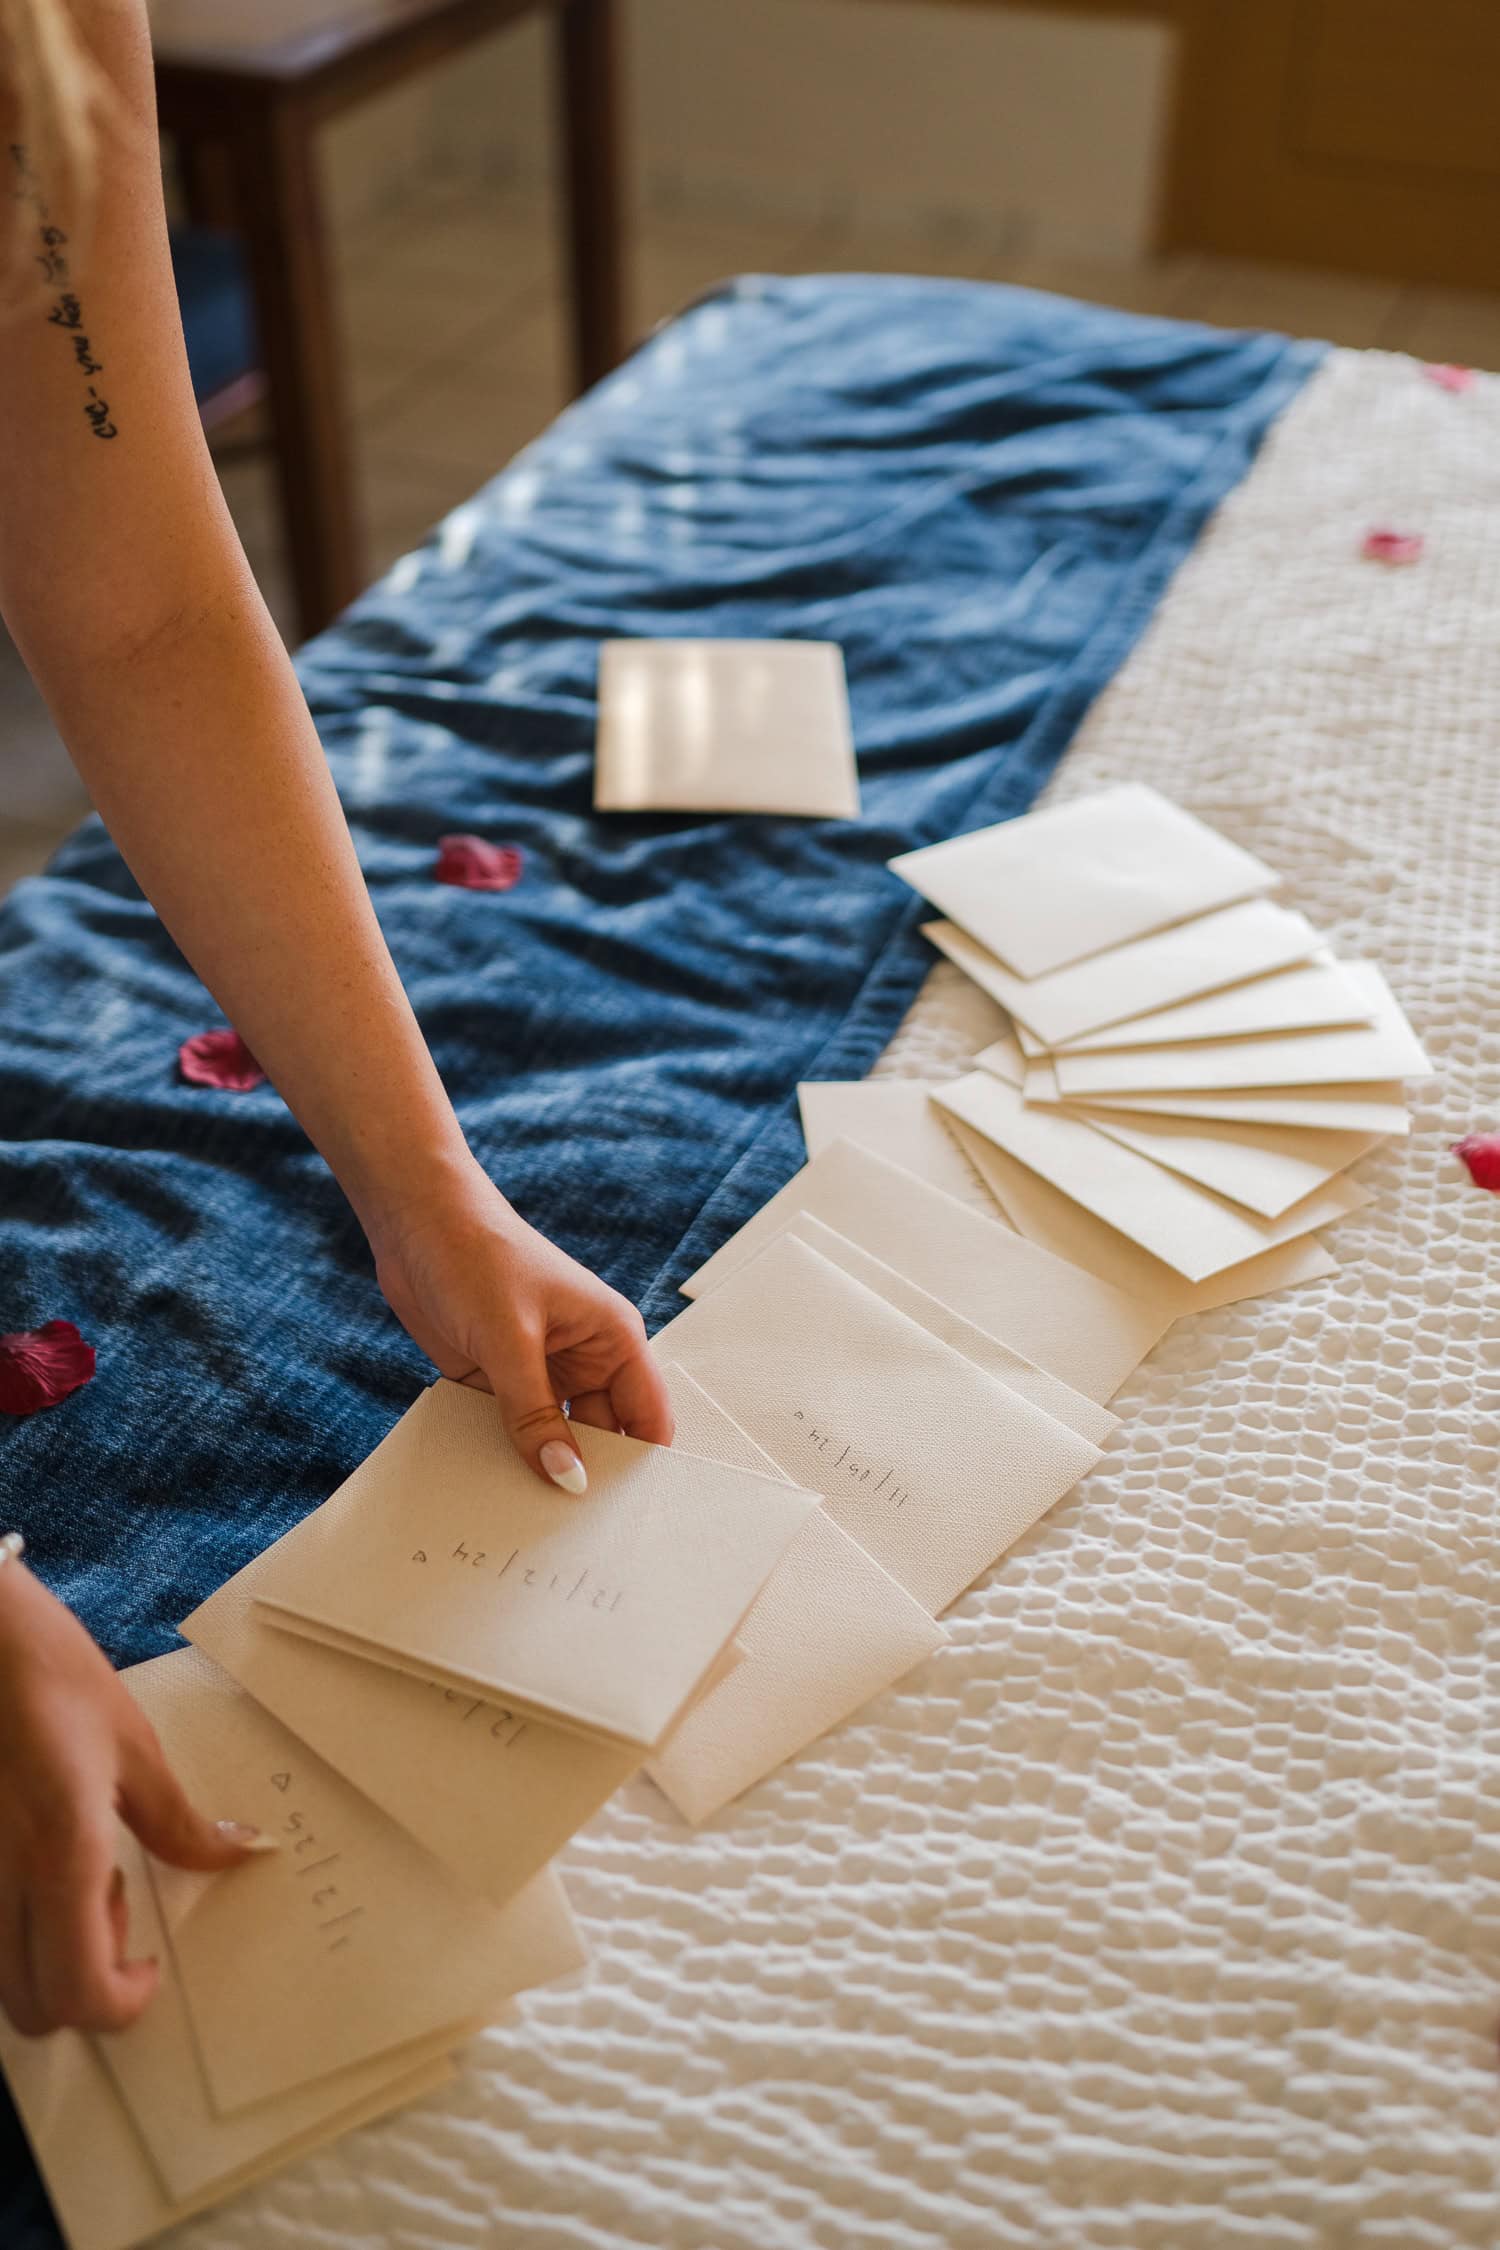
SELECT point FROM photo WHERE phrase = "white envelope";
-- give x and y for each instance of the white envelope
(725, 726)
(1194, 1232)
(348, 1941)
(931, 1465)
(1075, 879)
(1268, 1168)
(1057, 1315)
(894, 1117)
(605, 1613)
(1317, 995)
(1048, 1217)
(1203, 955)
(1386, 1049)
(1378, 1109)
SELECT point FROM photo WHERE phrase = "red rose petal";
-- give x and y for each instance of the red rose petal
(219, 1058)
(1393, 546)
(38, 1366)
(473, 865)
(1481, 1153)
(1448, 376)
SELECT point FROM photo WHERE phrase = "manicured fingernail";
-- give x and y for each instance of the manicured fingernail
(564, 1467)
(249, 1839)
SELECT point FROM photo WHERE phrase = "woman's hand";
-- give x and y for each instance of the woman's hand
(76, 1755)
(495, 1305)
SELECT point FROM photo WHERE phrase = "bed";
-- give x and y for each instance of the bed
(1159, 1910)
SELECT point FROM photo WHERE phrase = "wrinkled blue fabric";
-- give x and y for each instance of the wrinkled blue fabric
(979, 492)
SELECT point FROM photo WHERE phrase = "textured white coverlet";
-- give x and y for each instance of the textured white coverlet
(1161, 1911)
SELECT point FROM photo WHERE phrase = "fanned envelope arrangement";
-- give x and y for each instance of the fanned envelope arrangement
(1192, 1070)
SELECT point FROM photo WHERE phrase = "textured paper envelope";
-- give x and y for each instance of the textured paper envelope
(1058, 1316)
(725, 726)
(830, 1630)
(1058, 885)
(1268, 1168)
(1186, 1227)
(492, 1795)
(1379, 1109)
(155, 2070)
(1386, 1049)
(932, 1466)
(605, 1613)
(348, 1941)
(101, 2183)
(1200, 956)
(1056, 1398)
(1318, 995)
(1047, 1216)
(894, 1117)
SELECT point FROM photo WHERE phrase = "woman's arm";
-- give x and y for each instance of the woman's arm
(124, 586)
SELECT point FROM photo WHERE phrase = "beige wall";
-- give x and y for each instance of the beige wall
(922, 117)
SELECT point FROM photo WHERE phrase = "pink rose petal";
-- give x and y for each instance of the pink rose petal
(219, 1058)
(1448, 376)
(1393, 546)
(473, 865)
(38, 1366)
(1481, 1153)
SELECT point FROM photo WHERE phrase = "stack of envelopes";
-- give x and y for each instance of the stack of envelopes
(1191, 1070)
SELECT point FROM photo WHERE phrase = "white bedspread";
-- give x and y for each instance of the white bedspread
(1162, 1911)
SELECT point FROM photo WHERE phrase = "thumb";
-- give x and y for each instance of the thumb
(539, 1429)
(153, 1804)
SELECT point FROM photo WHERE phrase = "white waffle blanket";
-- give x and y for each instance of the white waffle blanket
(1162, 1911)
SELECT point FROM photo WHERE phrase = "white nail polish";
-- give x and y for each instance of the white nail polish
(564, 1467)
(249, 1839)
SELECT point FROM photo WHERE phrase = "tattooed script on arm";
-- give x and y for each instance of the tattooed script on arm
(65, 312)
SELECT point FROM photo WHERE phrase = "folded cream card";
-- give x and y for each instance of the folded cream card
(1215, 950)
(1376, 1108)
(1058, 885)
(1188, 1228)
(347, 1942)
(603, 1613)
(155, 2070)
(725, 726)
(930, 1464)
(1267, 1168)
(1385, 1049)
(103, 2187)
(1318, 995)
(1047, 1216)
(1056, 1398)
(895, 1117)
(1062, 1318)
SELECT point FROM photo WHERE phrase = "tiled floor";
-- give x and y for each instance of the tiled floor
(453, 316)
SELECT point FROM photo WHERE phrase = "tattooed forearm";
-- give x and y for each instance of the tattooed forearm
(66, 312)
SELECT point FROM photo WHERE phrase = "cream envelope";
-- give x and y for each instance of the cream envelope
(830, 1630)
(604, 1613)
(895, 1118)
(1318, 995)
(155, 2070)
(104, 2191)
(1058, 1316)
(1047, 1216)
(492, 1795)
(1194, 1232)
(1205, 955)
(349, 1941)
(1059, 885)
(1268, 1168)
(1058, 1399)
(725, 726)
(930, 1464)
(1386, 1049)
(1379, 1109)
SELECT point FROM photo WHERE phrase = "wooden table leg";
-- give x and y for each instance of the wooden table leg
(281, 212)
(589, 87)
